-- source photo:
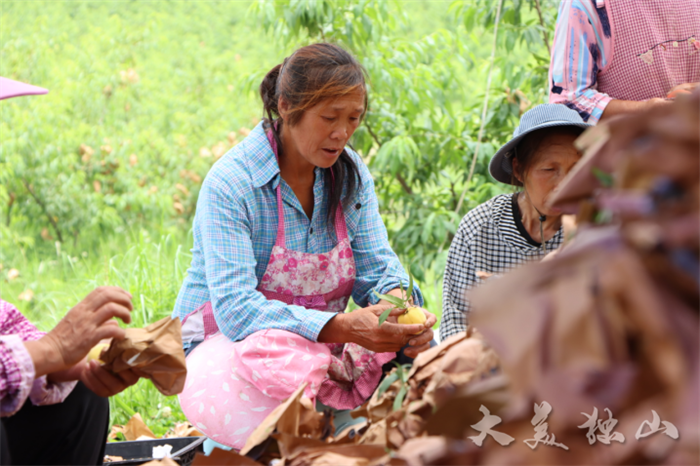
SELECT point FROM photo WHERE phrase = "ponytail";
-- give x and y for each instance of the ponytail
(268, 92)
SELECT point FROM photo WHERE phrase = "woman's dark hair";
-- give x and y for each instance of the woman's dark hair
(309, 76)
(526, 150)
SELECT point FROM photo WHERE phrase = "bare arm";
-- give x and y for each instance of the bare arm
(619, 107)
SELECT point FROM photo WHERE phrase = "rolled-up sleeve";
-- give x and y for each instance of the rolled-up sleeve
(239, 309)
(17, 376)
(582, 47)
(378, 268)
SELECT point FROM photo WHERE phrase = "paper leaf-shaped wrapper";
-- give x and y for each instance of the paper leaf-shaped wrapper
(156, 351)
(300, 451)
(581, 181)
(562, 330)
(135, 429)
(269, 424)
(183, 429)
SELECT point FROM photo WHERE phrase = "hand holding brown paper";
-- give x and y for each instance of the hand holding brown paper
(155, 350)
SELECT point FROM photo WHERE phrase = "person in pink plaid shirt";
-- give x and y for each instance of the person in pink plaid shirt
(617, 56)
(41, 370)
(52, 401)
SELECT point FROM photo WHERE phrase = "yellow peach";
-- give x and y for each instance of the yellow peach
(96, 352)
(413, 315)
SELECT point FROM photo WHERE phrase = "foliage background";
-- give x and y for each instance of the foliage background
(99, 178)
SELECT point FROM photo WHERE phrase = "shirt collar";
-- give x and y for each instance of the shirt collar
(261, 161)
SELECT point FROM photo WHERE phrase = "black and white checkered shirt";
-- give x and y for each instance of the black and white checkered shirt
(490, 238)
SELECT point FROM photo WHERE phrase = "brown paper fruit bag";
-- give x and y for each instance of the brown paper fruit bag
(155, 350)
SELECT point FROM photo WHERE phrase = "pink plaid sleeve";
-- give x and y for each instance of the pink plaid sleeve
(17, 376)
(582, 47)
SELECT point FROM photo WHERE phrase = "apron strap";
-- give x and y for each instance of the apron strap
(279, 241)
(341, 229)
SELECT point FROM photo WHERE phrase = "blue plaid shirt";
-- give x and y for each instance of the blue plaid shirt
(235, 229)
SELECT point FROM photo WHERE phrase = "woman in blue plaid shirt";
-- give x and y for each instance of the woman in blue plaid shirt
(287, 229)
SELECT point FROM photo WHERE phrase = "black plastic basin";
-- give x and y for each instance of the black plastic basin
(141, 451)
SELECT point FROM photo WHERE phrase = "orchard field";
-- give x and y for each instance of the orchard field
(99, 178)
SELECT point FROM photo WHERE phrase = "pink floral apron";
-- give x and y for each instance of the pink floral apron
(232, 386)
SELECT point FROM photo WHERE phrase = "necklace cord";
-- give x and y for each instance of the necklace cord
(542, 219)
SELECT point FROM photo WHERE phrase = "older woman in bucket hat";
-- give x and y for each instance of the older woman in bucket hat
(511, 229)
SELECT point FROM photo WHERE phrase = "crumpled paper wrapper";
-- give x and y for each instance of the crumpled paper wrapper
(183, 429)
(134, 429)
(297, 417)
(435, 377)
(155, 350)
(462, 359)
(589, 329)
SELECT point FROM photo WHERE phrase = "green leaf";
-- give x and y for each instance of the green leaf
(410, 284)
(402, 370)
(606, 179)
(123, 405)
(603, 217)
(396, 301)
(399, 370)
(384, 316)
(406, 372)
(398, 401)
(386, 383)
